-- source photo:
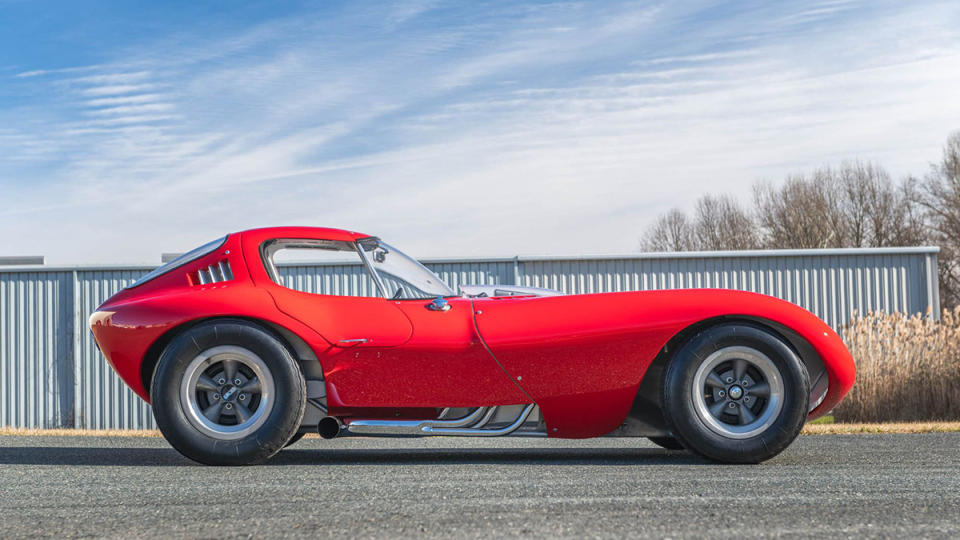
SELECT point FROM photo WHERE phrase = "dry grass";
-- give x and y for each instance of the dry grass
(82, 432)
(908, 369)
(902, 427)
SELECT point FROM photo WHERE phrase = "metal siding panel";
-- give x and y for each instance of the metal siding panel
(31, 316)
(102, 400)
(46, 382)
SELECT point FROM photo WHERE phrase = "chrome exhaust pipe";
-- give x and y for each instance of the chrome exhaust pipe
(329, 427)
(472, 425)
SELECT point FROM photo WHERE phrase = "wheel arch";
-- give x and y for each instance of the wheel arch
(646, 407)
(298, 347)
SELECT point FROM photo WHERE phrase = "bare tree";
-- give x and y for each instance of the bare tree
(940, 195)
(856, 205)
(802, 213)
(671, 232)
(720, 223)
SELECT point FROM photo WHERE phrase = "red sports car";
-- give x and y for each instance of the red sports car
(247, 343)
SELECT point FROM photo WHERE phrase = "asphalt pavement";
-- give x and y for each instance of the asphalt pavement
(840, 485)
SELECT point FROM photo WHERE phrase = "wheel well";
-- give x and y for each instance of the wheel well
(297, 346)
(646, 406)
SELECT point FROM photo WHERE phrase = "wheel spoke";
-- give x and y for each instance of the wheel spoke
(760, 389)
(715, 381)
(230, 369)
(739, 368)
(213, 411)
(717, 408)
(206, 383)
(243, 413)
(253, 385)
(746, 415)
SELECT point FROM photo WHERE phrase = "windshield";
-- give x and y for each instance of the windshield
(402, 276)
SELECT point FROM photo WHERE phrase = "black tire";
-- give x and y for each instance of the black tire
(669, 443)
(276, 423)
(293, 440)
(694, 423)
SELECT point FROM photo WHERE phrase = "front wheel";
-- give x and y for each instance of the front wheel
(735, 393)
(227, 392)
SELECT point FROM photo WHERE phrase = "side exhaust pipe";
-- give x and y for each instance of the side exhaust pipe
(329, 427)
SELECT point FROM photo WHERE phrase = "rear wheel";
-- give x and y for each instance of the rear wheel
(227, 392)
(735, 393)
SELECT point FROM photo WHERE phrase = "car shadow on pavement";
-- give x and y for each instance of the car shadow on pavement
(167, 457)
(488, 456)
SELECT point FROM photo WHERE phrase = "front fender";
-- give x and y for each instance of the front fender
(582, 358)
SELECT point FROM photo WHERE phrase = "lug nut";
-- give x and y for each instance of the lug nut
(237, 382)
(228, 406)
(242, 397)
(732, 405)
(721, 393)
(729, 380)
(216, 396)
(221, 380)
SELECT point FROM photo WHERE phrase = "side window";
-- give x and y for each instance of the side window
(318, 267)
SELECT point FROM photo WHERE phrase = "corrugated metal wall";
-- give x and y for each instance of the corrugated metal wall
(101, 399)
(52, 375)
(831, 285)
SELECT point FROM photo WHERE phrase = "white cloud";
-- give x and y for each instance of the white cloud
(562, 129)
(116, 89)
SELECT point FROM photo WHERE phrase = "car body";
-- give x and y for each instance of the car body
(411, 357)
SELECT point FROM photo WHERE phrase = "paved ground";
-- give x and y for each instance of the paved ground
(852, 485)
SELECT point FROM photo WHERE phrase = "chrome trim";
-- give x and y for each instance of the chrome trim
(439, 304)
(216, 273)
(411, 427)
(192, 384)
(225, 270)
(473, 432)
(366, 262)
(764, 418)
(473, 291)
(471, 425)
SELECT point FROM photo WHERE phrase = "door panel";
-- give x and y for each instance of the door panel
(443, 364)
(340, 319)
(580, 357)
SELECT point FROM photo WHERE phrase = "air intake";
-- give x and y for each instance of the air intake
(215, 273)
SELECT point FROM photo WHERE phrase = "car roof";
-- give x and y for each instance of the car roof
(321, 233)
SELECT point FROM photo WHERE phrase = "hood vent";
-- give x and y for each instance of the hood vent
(215, 273)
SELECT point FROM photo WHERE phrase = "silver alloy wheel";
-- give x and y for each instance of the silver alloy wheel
(227, 392)
(738, 392)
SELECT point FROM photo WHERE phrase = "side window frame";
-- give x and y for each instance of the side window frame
(269, 247)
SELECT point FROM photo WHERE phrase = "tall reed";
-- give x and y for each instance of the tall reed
(908, 368)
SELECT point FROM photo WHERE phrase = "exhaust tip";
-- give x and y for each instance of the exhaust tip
(329, 427)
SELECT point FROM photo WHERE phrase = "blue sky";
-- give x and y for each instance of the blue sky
(128, 129)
